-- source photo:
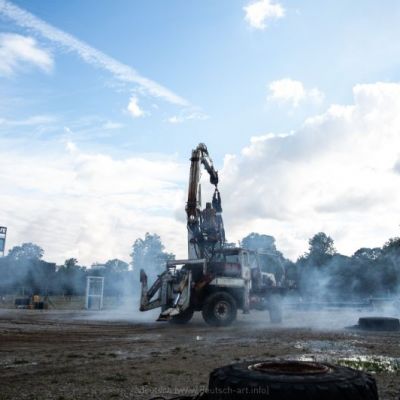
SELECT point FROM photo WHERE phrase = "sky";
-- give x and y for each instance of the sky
(101, 103)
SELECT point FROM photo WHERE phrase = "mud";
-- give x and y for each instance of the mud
(104, 355)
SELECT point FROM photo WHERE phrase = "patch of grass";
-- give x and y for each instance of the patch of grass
(371, 364)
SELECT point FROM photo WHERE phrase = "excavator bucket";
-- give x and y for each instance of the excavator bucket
(146, 302)
(181, 298)
(172, 289)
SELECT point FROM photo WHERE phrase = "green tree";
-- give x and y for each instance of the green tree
(118, 280)
(71, 277)
(392, 245)
(24, 270)
(257, 241)
(271, 260)
(390, 264)
(148, 254)
(313, 280)
(70, 263)
(27, 251)
(321, 250)
(116, 265)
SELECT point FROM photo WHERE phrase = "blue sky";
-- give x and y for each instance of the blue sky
(220, 72)
(207, 53)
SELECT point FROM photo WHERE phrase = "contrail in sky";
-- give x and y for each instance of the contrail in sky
(121, 71)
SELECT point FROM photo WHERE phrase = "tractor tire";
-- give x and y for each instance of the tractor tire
(182, 318)
(379, 324)
(290, 380)
(219, 309)
(275, 309)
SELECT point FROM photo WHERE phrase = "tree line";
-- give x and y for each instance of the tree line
(321, 273)
(24, 271)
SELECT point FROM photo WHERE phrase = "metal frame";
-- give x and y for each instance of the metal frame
(162, 287)
(89, 295)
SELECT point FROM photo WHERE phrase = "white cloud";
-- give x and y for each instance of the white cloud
(293, 92)
(134, 108)
(337, 173)
(89, 206)
(34, 120)
(17, 52)
(71, 146)
(111, 125)
(89, 54)
(175, 119)
(259, 12)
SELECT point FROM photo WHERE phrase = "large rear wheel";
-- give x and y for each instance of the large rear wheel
(219, 309)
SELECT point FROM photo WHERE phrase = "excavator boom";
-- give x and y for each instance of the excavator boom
(200, 243)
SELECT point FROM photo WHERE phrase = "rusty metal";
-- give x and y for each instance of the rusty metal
(290, 368)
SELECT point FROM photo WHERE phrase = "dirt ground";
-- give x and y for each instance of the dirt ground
(102, 355)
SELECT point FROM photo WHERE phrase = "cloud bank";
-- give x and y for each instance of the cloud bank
(337, 173)
(88, 206)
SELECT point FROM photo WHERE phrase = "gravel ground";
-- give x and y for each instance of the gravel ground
(102, 355)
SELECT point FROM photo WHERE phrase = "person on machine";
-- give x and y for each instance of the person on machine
(217, 205)
(209, 221)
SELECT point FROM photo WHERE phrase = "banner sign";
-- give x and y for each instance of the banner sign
(3, 233)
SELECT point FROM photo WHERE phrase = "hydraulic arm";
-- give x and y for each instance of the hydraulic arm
(200, 243)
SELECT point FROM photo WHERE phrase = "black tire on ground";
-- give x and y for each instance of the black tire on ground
(219, 309)
(379, 323)
(275, 308)
(290, 380)
(182, 318)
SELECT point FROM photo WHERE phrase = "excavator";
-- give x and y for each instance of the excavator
(216, 279)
